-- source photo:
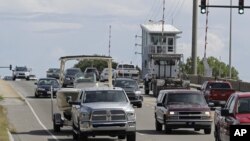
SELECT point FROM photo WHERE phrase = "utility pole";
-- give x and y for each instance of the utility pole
(163, 21)
(230, 43)
(194, 37)
(109, 38)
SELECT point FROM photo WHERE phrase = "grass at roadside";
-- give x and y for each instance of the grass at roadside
(3, 125)
(1, 98)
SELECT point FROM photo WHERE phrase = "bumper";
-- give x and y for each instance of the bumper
(189, 124)
(217, 102)
(112, 129)
(45, 93)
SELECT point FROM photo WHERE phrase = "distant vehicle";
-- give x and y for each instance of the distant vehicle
(182, 109)
(132, 90)
(33, 77)
(103, 111)
(21, 72)
(44, 87)
(69, 76)
(93, 70)
(7, 78)
(217, 92)
(127, 71)
(105, 74)
(84, 80)
(235, 112)
(53, 73)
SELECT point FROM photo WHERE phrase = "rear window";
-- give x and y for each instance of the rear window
(218, 86)
(105, 96)
(126, 84)
(72, 71)
(21, 69)
(126, 66)
(185, 98)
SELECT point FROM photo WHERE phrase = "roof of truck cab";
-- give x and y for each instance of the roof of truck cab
(101, 88)
(243, 94)
(180, 91)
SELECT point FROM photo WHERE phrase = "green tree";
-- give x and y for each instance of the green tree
(99, 64)
(220, 69)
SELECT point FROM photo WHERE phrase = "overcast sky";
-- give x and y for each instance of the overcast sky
(36, 33)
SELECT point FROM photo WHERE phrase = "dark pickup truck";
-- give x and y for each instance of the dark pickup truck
(182, 109)
(235, 112)
(217, 92)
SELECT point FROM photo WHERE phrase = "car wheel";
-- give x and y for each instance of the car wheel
(139, 105)
(56, 128)
(207, 131)
(196, 129)
(64, 85)
(131, 137)
(147, 92)
(121, 137)
(75, 136)
(83, 137)
(167, 130)
(158, 126)
(37, 95)
(27, 78)
(14, 78)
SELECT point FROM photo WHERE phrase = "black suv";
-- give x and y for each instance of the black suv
(69, 76)
(131, 88)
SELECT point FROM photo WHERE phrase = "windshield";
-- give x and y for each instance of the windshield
(48, 82)
(126, 66)
(21, 69)
(72, 71)
(105, 96)
(243, 105)
(185, 98)
(218, 86)
(126, 84)
(85, 77)
(54, 70)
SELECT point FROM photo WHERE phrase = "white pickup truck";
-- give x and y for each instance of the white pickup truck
(127, 71)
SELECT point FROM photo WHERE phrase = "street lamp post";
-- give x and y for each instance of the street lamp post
(230, 43)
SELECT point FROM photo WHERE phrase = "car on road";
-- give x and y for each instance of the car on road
(53, 73)
(21, 72)
(104, 75)
(103, 111)
(217, 92)
(69, 76)
(93, 70)
(84, 80)
(44, 87)
(182, 109)
(235, 112)
(132, 90)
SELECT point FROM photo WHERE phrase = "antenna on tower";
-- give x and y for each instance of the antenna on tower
(163, 21)
(109, 38)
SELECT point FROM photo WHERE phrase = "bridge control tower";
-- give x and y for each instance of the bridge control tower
(159, 50)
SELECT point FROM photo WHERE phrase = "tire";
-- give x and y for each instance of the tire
(83, 137)
(75, 136)
(147, 92)
(139, 105)
(121, 137)
(207, 131)
(64, 85)
(57, 128)
(37, 95)
(158, 126)
(196, 129)
(131, 137)
(167, 130)
(27, 78)
(14, 78)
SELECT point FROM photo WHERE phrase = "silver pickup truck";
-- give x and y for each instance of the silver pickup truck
(103, 111)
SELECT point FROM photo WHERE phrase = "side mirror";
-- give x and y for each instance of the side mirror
(159, 104)
(198, 88)
(141, 87)
(225, 112)
(35, 83)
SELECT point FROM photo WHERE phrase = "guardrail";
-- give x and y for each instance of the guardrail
(237, 85)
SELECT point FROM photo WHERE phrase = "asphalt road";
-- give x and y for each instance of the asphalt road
(33, 121)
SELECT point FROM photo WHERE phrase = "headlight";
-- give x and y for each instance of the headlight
(207, 113)
(84, 116)
(138, 92)
(41, 89)
(67, 78)
(171, 113)
(131, 116)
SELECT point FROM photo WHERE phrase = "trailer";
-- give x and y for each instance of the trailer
(64, 95)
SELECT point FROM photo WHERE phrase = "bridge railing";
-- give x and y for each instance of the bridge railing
(237, 85)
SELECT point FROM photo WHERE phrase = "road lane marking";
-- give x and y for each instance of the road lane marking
(34, 113)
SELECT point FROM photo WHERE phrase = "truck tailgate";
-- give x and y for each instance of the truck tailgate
(220, 94)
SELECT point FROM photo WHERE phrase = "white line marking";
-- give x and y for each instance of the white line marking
(141, 134)
(10, 136)
(34, 113)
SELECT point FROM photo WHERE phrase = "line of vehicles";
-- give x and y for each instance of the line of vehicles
(92, 108)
